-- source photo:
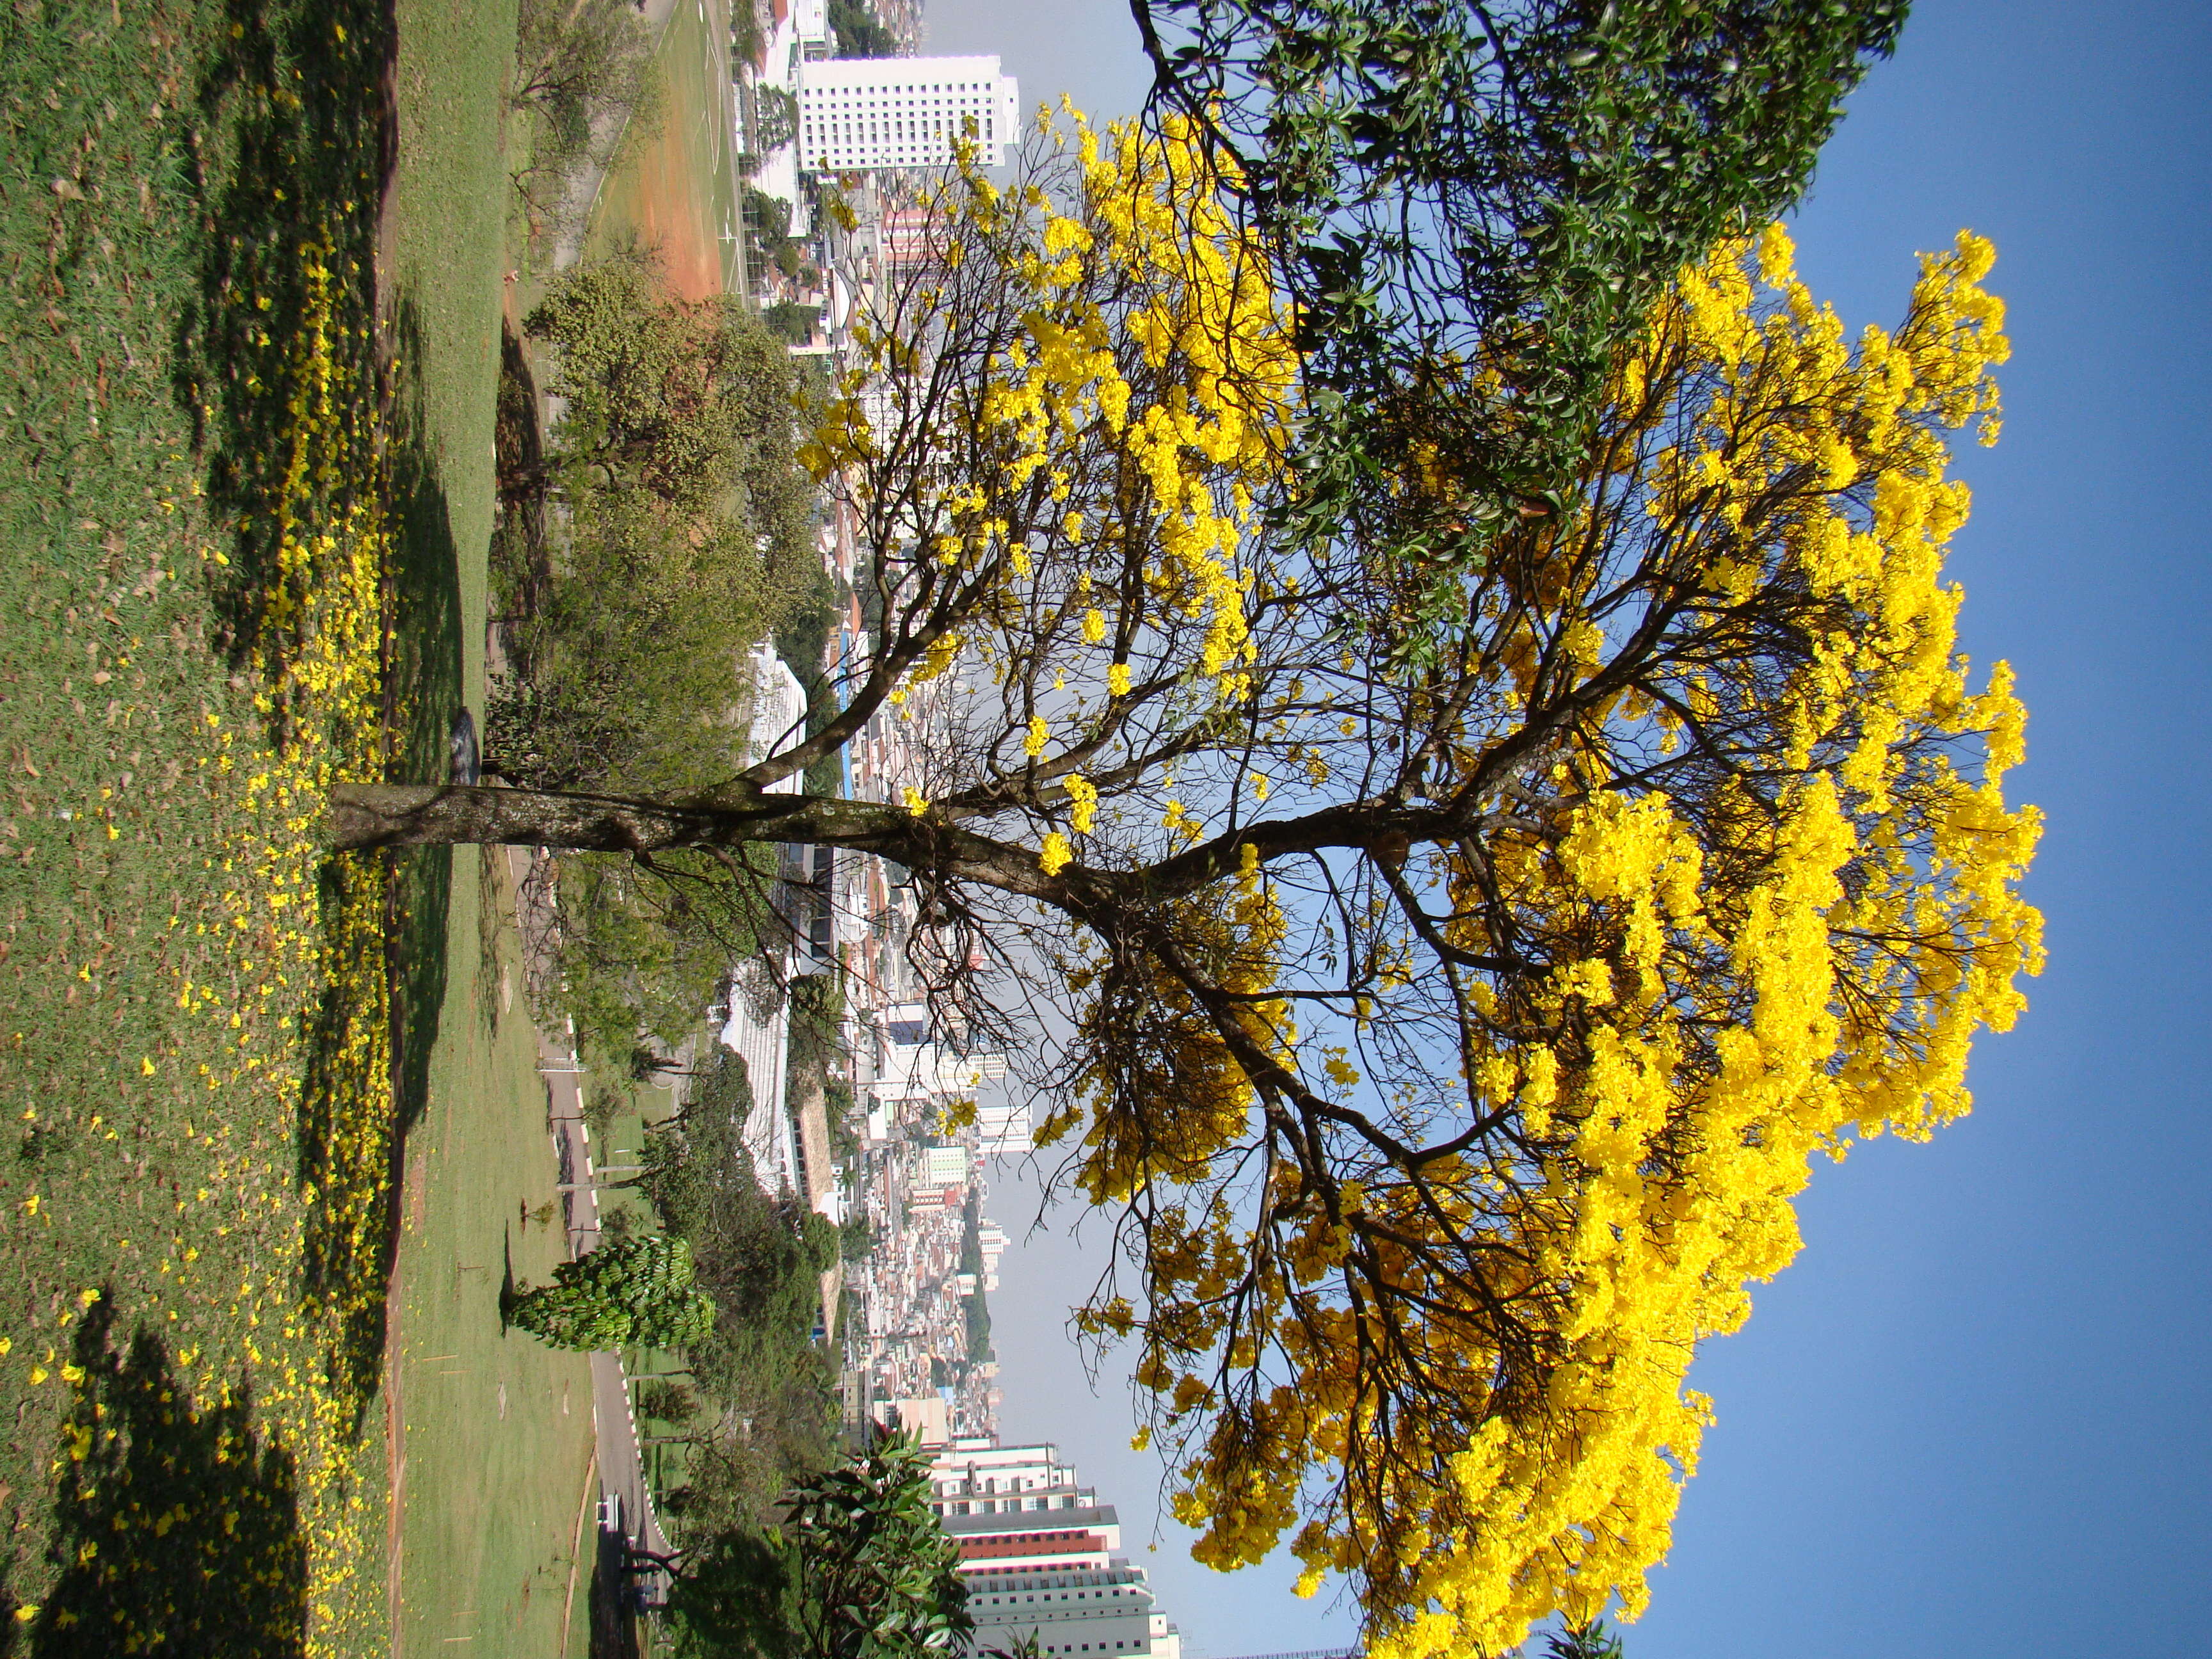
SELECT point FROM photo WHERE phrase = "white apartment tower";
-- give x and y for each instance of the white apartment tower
(1040, 1556)
(856, 114)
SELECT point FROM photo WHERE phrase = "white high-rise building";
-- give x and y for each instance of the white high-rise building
(859, 114)
(1040, 1557)
(976, 1475)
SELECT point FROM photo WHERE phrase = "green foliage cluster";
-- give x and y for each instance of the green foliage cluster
(1591, 1641)
(1504, 187)
(859, 1569)
(776, 117)
(748, 32)
(761, 1258)
(688, 535)
(689, 524)
(645, 944)
(664, 1401)
(971, 1235)
(818, 1017)
(837, 1107)
(856, 1238)
(858, 34)
(768, 223)
(790, 321)
(627, 1292)
(976, 1312)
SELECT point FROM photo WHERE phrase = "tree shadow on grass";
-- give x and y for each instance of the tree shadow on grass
(297, 108)
(423, 695)
(280, 370)
(611, 1600)
(176, 1529)
(277, 367)
(350, 1249)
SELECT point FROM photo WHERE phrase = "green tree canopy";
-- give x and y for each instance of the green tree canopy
(859, 1569)
(690, 536)
(630, 1291)
(1503, 186)
(858, 33)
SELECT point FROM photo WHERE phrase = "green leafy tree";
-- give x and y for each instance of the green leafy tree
(760, 1257)
(858, 1238)
(859, 1569)
(683, 399)
(975, 1314)
(583, 69)
(858, 31)
(665, 1401)
(643, 946)
(790, 321)
(777, 114)
(632, 1292)
(1505, 186)
(687, 535)
(1590, 1641)
(875, 1576)
(730, 1598)
(689, 531)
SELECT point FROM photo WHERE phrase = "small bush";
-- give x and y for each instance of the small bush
(630, 1291)
(664, 1402)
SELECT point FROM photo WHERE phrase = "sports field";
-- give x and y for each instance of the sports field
(675, 187)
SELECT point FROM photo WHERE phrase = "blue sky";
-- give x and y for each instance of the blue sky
(1975, 1416)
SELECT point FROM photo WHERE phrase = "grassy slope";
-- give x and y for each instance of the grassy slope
(497, 1434)
(150, 1225)
(449, 257)
(498, 1427)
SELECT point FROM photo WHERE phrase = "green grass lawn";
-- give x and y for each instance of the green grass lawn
(221, 500)
(494, 1442)
(498, 1439)
(192, 1068)
(449, 198)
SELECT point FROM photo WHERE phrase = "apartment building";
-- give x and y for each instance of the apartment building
(1040, 1556)
(863, 114)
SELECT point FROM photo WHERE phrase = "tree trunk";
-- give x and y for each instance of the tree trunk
(365, 815)
(438, 815)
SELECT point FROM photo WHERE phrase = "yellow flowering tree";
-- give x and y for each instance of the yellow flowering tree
(1463, 961)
